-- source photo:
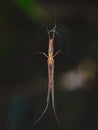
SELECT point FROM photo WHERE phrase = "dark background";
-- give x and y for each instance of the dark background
(23, 73)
